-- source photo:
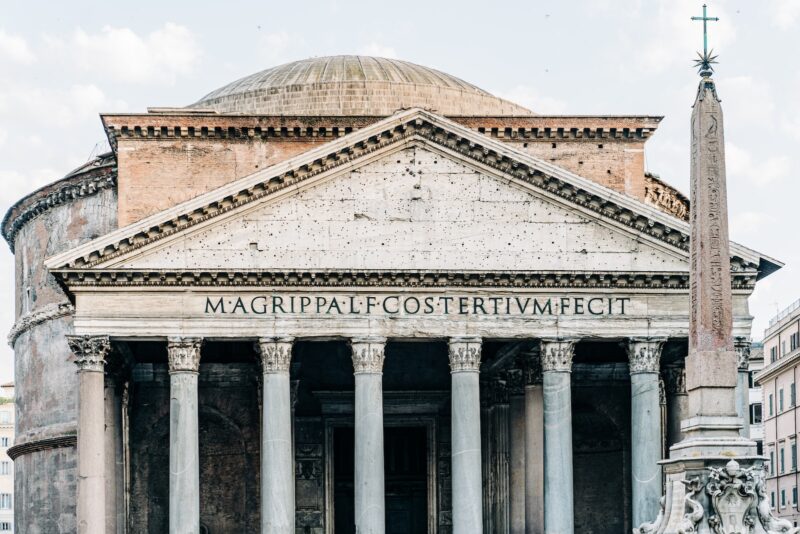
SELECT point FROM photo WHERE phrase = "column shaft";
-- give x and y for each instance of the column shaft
(644, 356)
(559, 515)
(90, 354)
(115, 506)
(465, 357)
(517, 464)
(534, 459)
(184, 449)
(277, 465)
(370, 497)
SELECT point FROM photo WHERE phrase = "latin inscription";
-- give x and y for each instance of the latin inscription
(392, 305)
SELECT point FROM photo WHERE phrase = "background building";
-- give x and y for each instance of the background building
(7, 420)
(755, 365)
(779, 380)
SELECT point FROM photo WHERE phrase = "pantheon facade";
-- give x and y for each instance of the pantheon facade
(353, 294)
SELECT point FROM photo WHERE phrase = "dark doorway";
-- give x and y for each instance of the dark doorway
(405, 467)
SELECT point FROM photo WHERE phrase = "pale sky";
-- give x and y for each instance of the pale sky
(62, 63)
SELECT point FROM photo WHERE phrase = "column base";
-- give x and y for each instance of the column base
(715, 493)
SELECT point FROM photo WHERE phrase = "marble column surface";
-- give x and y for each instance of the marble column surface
(645, 446)
(184, 449)
(277, 463)
(558, 480)
(534, 459)
(369, 485)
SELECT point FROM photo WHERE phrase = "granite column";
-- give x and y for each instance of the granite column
(556, 357)
(277, 464)
(183, 354)
(465, 361)
(534, 445)
(644, 357)
(90, 357)
(369, 491)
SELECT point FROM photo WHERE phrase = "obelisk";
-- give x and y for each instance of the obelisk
(715, 482)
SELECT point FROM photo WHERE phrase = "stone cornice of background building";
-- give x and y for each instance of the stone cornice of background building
(168, 123)
(88, 179)
(778, 366)
(47, 313)
(660, 281)
(406, 127)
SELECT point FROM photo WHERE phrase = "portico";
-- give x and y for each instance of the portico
(503, 313)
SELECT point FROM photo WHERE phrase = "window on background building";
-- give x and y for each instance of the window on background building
(794, 495)
(755, 414)
(783, 460)
(792, 393)
(760, 447)
(773, 354)
(5, 468)
(783, 498)
(772, 499)
(5, 526)
(5, 501)
(751, 379)
(771, 411)
(771, 462)
(780, 400)
(3, 442)
(794, 456)
(793, 341)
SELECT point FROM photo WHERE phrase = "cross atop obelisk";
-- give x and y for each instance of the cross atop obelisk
(706, 59)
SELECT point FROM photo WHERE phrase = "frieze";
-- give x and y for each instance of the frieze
(183, 354)
(417, 125)
(667, 281)
(90, 351)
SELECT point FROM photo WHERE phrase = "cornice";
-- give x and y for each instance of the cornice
(662, 281)
(42, 445)
(47, 313)
(406, 127)
(92, 178)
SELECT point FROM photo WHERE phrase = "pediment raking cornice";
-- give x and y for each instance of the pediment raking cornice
(412, 125)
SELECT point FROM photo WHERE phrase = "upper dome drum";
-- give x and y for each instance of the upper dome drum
(353, 85)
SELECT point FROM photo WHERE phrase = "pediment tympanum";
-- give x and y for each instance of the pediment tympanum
(413, 192)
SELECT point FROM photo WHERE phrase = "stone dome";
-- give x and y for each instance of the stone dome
(353, 85)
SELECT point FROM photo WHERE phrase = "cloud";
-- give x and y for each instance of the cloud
(119, 53)
(378, 50)
(741, 164)
(747, 99)
(56, 107)
(15, 49)
(532, 99)
(785, 13)
(3, 136)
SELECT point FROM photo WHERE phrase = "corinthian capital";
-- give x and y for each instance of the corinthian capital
(644, 354)
(465, 354)
(275, 353)
(183, 354)
(742, 347)
(556, 354)
(368, 355)
(90, 351)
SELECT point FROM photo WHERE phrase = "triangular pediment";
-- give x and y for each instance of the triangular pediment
(413, 192)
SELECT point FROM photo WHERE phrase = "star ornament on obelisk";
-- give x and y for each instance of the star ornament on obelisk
(715, 481)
